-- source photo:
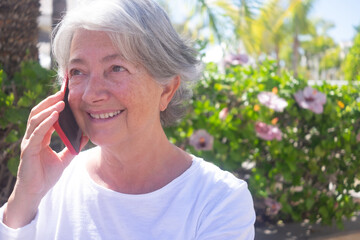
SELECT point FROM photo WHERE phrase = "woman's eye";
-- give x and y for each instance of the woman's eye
(75, 72)
(118, 68)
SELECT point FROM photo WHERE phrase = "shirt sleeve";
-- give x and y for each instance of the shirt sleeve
(231, 217)
(27, 232)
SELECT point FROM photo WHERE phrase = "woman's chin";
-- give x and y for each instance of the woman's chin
(102, 139)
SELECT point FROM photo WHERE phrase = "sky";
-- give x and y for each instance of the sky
(343, 13)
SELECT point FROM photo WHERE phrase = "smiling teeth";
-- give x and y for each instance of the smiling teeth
(105, 115)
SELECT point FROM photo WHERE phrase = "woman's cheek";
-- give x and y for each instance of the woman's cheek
(74, 98)
(76, 82)
(73, 94)
(75, 105)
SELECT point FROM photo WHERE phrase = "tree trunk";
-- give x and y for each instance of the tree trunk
(295, 58)
(58, 10)
(19, 33)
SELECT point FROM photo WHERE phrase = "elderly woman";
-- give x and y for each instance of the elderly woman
(128, 72)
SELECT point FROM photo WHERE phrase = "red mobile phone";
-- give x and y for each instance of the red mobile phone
(66, 126)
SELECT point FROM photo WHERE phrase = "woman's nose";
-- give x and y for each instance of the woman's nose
(95, 90)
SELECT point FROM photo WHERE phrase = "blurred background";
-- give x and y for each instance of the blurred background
(311, 38)
(278, 103)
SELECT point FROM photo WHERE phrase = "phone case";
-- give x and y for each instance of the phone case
(67, 127)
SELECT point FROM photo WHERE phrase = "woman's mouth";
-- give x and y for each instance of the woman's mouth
(105, 115)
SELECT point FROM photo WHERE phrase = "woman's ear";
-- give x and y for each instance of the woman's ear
(168, 92)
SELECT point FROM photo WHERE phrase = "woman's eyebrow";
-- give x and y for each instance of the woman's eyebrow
(76, 61)
(104, 59)
(111, 57)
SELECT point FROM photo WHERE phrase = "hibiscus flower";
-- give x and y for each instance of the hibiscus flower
(236, 59)
(311, 99)
(202, 140)
(271, 100)
(267, 132)
(273, 207)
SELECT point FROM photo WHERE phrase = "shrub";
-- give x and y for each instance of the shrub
(300, 160)
(17, 96)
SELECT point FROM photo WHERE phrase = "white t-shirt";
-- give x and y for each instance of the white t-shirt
(202, 203)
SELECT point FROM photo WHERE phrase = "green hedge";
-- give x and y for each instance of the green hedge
(17, 96)
(307, 170)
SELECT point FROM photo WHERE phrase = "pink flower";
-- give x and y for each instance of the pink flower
(311, 99)
(273, 207)
(271, 100)
(358, 137)
(236, 59)
(223, 113)
(201, 140)
(267, 132)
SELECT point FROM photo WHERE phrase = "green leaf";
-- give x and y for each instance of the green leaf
(319, 151)
(25, 101)
(309, 202)
(13, 165)
(12, 136)
(324, 212)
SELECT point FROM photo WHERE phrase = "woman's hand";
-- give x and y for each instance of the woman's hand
(40, 167)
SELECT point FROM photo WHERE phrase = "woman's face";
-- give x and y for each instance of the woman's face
(113, 100)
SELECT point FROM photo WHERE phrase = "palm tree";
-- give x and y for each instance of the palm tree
(59, 8)
(269, 29)
(316, 47)
(265, 33)
(217, 18)
(246, 26)
(19, 33)
(300, 24)
(277, 21)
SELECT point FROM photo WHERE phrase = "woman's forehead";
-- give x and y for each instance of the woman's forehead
(87, 43)
(89, 47)
(84, 38)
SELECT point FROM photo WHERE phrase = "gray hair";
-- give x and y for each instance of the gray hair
(142, 32)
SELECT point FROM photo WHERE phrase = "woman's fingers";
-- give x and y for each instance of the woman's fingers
(47, 137)
(47, 102)
(37, 119)
(37, 136)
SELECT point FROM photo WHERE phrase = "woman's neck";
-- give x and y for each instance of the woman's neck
(139, 168)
